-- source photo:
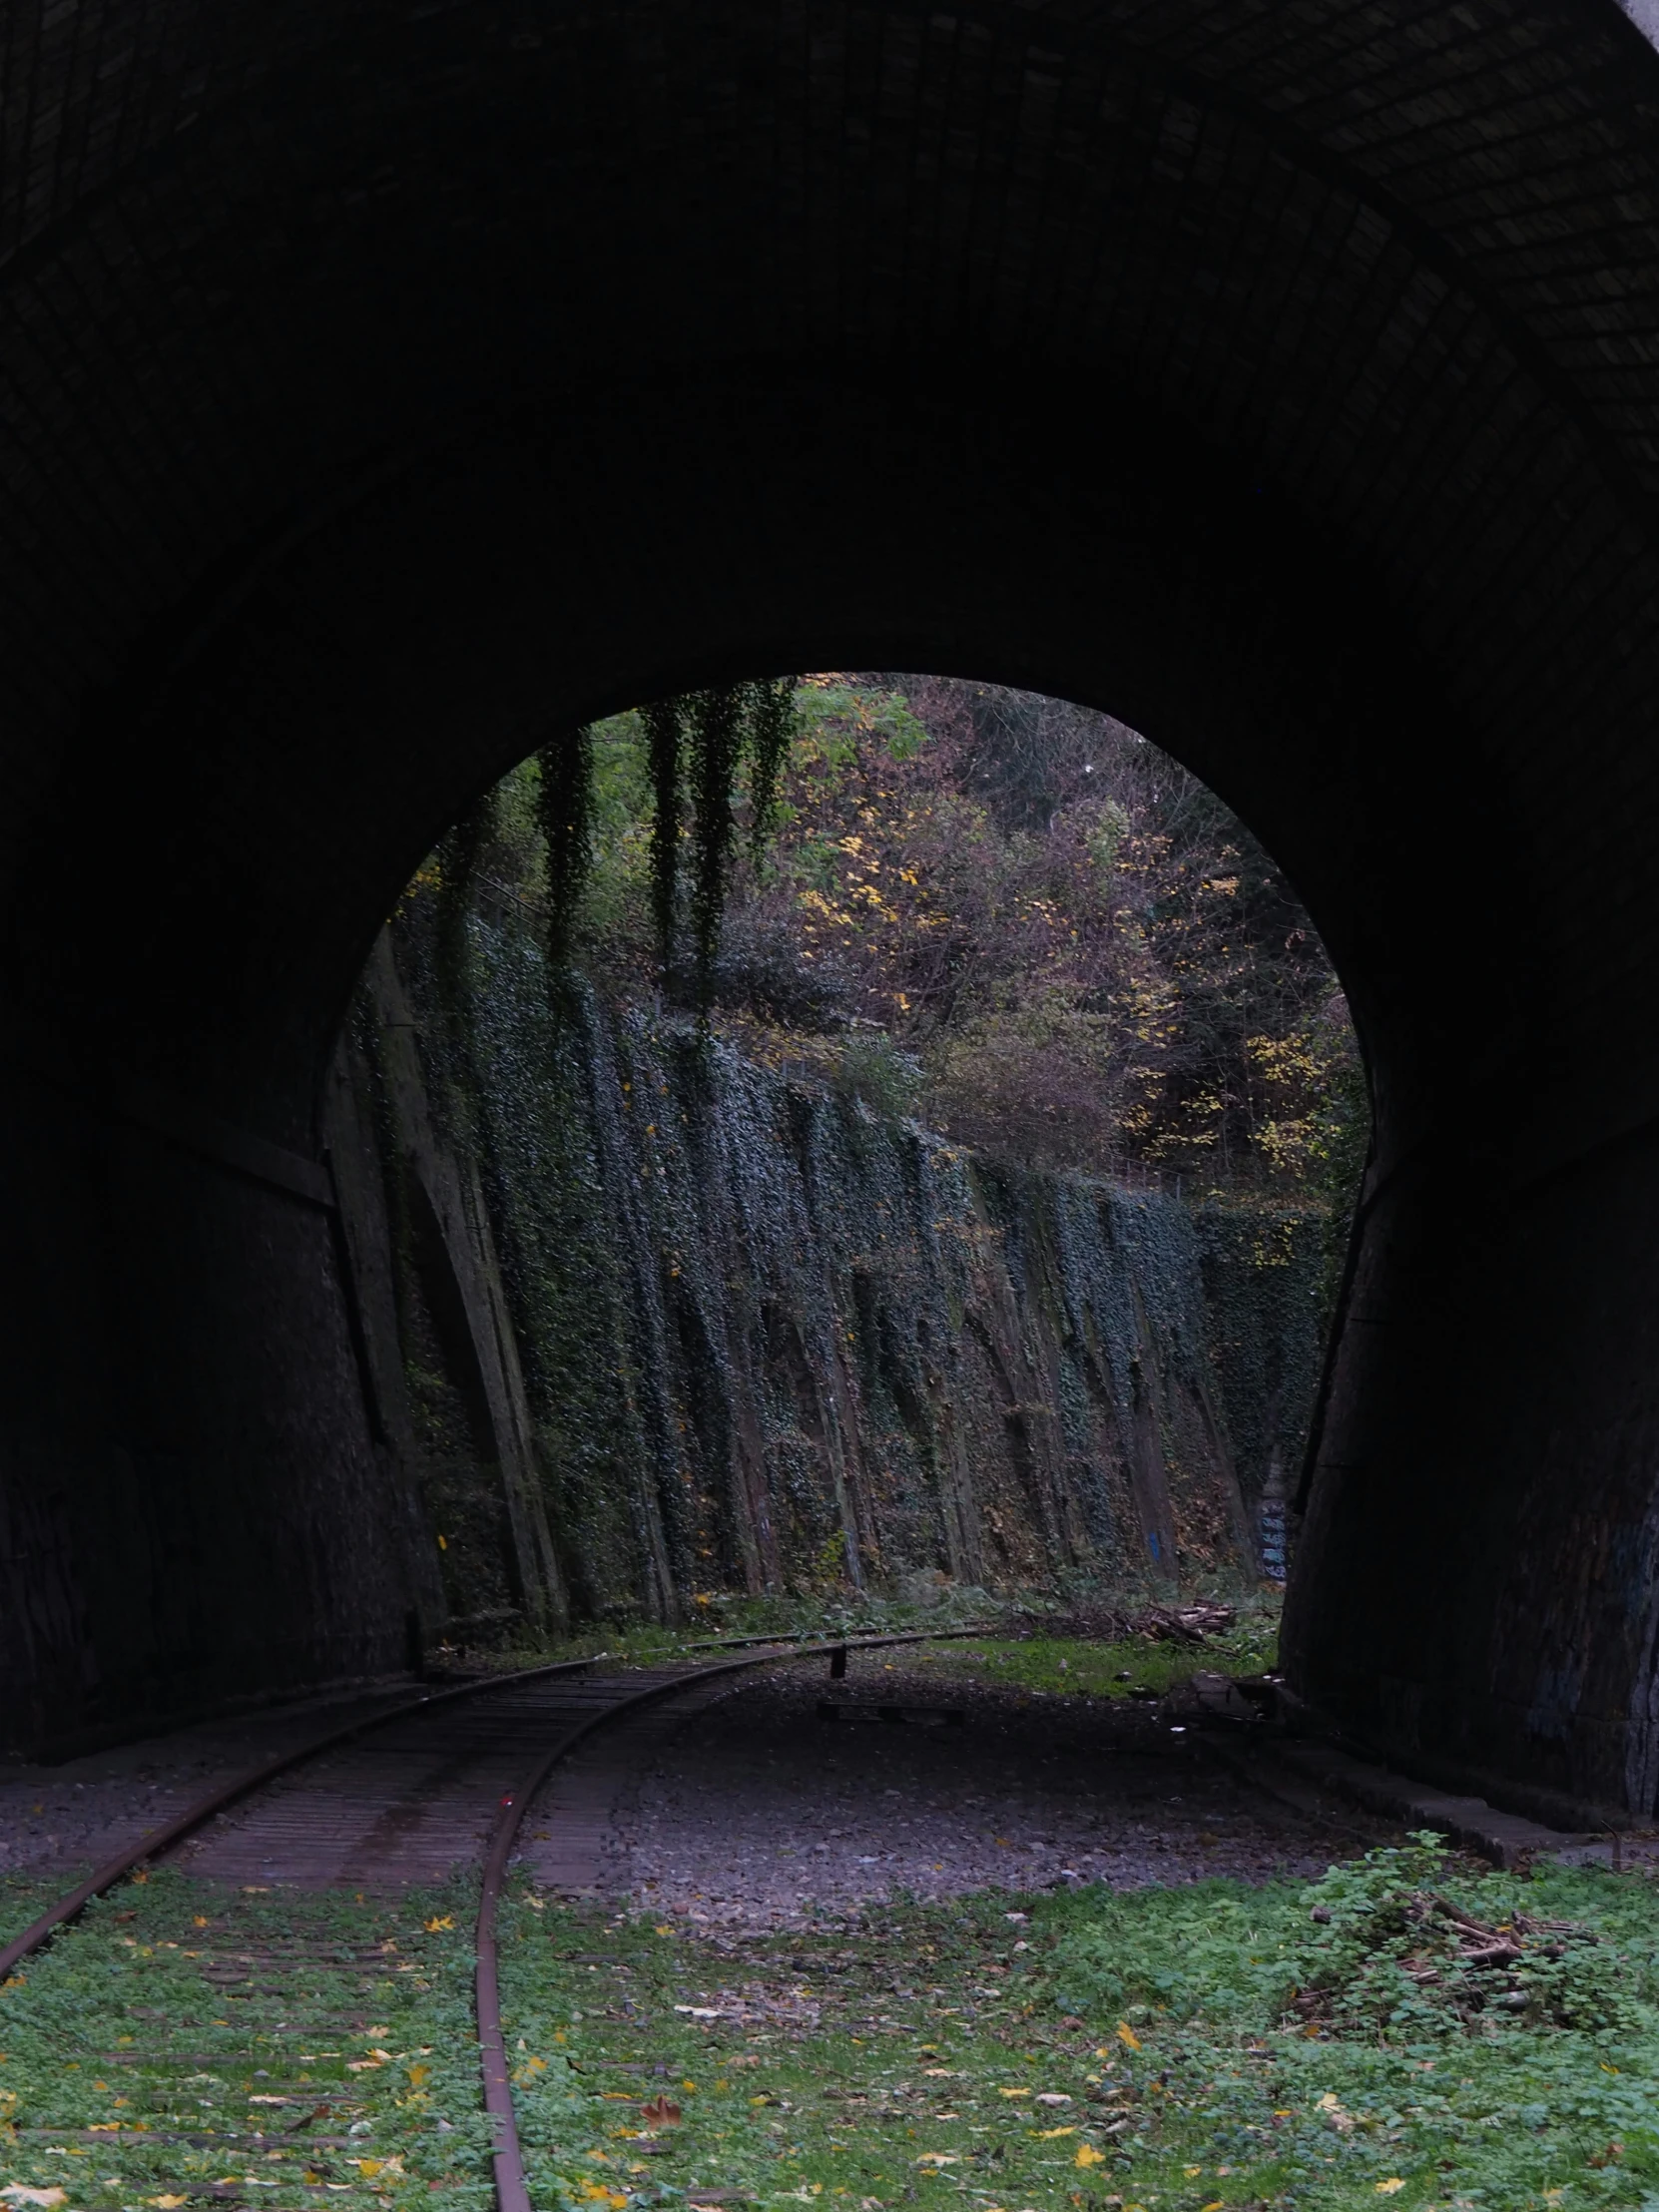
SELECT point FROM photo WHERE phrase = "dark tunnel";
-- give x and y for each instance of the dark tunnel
(388, 388)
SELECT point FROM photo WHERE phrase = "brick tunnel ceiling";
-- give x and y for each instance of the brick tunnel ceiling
(383, 382)
(384, 389)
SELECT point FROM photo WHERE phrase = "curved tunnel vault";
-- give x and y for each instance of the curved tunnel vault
(387, 385)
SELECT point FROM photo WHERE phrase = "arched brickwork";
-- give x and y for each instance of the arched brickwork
(383, 384)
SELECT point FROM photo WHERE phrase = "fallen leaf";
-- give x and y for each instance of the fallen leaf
(163, 2204)
(436, 1927)
(1013, 2093)
(1087, 2155)
(1391, 2187)
(1051, 2134)
(20, 2195)
(939, 2158)
(1126, 2034)
(660, 2111)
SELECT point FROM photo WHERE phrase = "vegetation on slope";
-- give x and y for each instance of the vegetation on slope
(1012, 917)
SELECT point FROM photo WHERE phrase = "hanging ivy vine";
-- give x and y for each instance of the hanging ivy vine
(459, 855)
(564, 816)
(662, 734)
(696, 746)
(771, 712)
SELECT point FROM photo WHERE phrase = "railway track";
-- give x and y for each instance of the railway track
(279, 1981)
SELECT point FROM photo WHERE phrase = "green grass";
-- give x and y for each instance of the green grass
(115, 2028)
(899, 2062)
(1158, 2017)
(1028, 1657)
(1040, 1663)
(645, 1643)
(23, 1902)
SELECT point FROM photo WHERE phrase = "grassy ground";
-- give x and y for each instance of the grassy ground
(1063, 2053)
(1028, 1654)
(1177, 2050)
(184, 2043)
(1090, 2053)
(1040, 1663)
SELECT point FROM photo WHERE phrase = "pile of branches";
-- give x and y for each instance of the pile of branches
(1177, 1624)
(1397, 1954)
(1183, 1624)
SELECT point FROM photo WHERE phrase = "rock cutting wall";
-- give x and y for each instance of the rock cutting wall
(645, 1321)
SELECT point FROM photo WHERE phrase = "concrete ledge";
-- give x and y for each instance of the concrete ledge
(1322, 1779)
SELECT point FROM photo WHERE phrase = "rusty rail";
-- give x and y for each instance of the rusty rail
(196, 1815)
(511, 2189)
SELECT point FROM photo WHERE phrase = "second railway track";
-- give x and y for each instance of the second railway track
(320, 1889)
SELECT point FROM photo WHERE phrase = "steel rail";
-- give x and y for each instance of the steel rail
(157, 1840)
(512, 2190)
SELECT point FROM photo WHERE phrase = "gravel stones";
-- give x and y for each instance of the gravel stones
(759, 1814)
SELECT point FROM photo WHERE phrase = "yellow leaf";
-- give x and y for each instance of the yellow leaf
(165, 2204)
(1087, 2155)
(1126, 2034)
(1051, 2134)
(1391, 2187)
(436, 1927)
(1013, 2093)
(419, 2076)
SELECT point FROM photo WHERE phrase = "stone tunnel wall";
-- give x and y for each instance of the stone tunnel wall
(644, 1320)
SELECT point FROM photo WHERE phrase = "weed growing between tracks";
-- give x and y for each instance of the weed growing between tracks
(185, 2043)
(1077, 2053)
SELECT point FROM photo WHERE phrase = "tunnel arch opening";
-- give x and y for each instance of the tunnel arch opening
(388, 396)
(776, 1330)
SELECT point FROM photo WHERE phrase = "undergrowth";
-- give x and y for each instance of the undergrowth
(1085, 2051)
(1070, 2052)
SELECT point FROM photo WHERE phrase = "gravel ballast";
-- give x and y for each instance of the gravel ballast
(761, 1813)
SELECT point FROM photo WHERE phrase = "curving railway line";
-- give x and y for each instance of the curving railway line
(396, 1801)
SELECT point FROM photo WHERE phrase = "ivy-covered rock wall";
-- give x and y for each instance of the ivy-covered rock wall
(653, 1321)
